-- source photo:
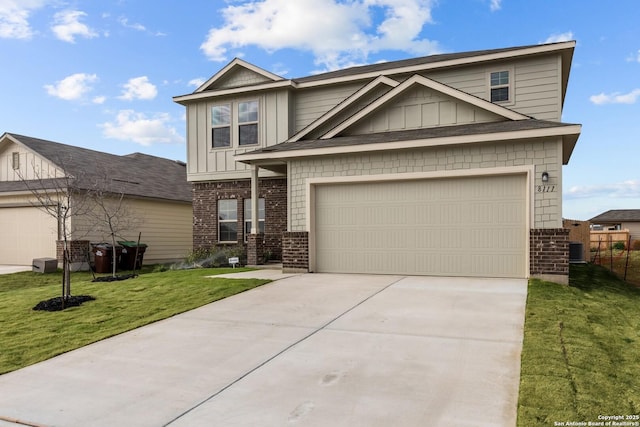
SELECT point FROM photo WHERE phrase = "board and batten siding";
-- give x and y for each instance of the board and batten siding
(205, 162)
(543, 155)
(29, 163)
(240, 77)
(421, 107)
(311, 104)
(166, 227)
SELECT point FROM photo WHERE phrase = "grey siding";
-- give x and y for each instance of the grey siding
(240, 77)
(310, 104)
(545, 155)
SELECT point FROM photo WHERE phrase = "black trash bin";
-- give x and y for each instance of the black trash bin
(103, 255)
(128, 260)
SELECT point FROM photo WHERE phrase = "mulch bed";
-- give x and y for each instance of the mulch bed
(114, 278)
(55, 304)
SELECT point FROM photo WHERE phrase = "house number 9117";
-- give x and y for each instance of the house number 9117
(545, 188)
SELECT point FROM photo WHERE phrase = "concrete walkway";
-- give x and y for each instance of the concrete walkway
(307, 350)
(9, 269)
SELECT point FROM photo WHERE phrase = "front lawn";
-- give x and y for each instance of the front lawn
(581, 351)
(28, 336)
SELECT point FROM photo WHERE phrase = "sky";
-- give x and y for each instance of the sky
(102, 74)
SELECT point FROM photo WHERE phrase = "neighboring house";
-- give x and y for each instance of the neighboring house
(443, 165)
(156, 192)
(619, 219)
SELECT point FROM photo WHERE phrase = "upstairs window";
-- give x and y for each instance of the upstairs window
(247, 217)
(228, 220)
(221, 125)
(499, 82)
(248, 123)
(15, 160)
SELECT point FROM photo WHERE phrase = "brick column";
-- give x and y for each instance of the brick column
(549, 257)
(255, 249)
(295, 252)
(78, 252)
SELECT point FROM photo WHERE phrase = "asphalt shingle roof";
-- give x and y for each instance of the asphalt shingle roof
(618, 215)
(135, 174)
(408, 135)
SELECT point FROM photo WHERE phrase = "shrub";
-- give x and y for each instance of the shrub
(618, 246)
(217, 256)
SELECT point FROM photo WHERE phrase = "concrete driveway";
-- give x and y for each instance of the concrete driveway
(307, 350)
(9, 269)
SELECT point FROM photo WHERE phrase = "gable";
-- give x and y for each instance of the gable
(238, 73)
(421, 107)
(420, 102)
(28, 163)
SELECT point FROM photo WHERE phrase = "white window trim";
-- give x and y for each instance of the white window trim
(511, 85)
(221, 221)
(256, 122)
(212, 127)
(234, 125)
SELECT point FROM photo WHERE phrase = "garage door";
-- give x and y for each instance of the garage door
(472, 226)
(27, 233)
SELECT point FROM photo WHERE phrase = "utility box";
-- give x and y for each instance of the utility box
(44, 265)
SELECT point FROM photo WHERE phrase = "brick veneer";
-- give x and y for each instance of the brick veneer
(255, 249)
(78, 252)
(205, 211)
(549, 256)
(295, 251)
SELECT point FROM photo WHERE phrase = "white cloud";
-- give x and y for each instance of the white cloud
(616, 98)
(137, 127)
(557, 38)
(197, 82)
(72, 87)
(67, 26)
(125, 23)
(99, 100)
(337, 33)
(634, 57)
(619, 190)
(139, 88)
(14, 18)
(495, 5)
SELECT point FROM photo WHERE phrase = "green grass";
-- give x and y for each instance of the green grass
(581, 350)
(28, 336)
(620, 264)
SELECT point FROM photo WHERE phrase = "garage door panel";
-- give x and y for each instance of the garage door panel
(460, 226)
(27, 233)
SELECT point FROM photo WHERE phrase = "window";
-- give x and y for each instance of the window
(248, 123)
(247, 217)
(221, 125)
(15, 160)
(499, 82)
(228, 220)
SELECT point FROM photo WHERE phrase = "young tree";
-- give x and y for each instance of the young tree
(60, 198)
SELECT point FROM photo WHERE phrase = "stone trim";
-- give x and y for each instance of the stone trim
(295, 251)
(549, 256)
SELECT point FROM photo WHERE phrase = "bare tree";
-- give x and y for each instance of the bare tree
(111, 213)
(60, 198)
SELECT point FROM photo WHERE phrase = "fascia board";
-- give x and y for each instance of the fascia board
(183, 99)
(548, 48)
(573, 130)
(237, 62)
(343, 105)
(432, 84)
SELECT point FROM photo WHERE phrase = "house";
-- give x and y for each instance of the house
(619, 219)
(442, 165)
(156, 193)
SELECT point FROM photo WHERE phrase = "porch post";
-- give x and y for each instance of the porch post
(254, 199)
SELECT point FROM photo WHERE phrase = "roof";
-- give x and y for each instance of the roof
(420, 136)
(618, 215)
(405, 66)
(136, 174)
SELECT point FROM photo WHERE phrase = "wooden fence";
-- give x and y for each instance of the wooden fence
(606, 238)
